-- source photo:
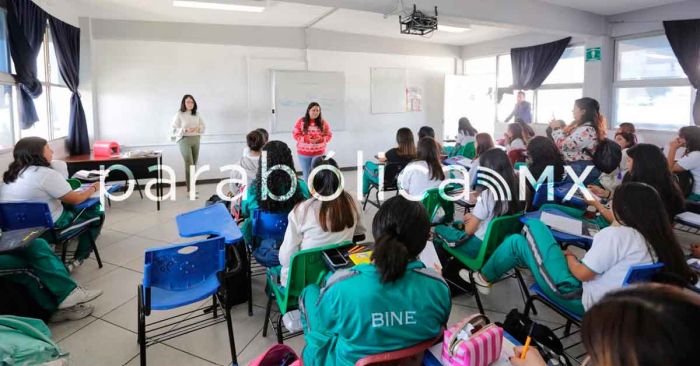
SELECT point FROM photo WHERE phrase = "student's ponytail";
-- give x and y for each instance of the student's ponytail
(391, 258)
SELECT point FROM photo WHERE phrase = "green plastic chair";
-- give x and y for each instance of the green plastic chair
(74, 183)
(468, 150)
(497, 231)
(432, 201)
(307, 267)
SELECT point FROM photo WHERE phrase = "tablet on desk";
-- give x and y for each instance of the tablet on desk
(15, 239)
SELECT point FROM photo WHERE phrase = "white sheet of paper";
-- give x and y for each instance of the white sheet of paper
(429, 256)
(561, 223)
(689, 217)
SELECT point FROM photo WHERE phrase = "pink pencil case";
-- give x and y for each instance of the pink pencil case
(481, 348)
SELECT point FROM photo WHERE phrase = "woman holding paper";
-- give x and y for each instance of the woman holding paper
(312, 133)
(187, 127)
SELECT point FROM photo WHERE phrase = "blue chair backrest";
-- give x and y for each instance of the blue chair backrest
(540, 196)
(182, 266)
(642, 273)
(22, 215)
(269, 225)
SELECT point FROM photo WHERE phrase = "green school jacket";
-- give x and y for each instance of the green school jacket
(355, 315)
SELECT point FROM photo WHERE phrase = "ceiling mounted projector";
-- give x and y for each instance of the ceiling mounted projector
(418, 23)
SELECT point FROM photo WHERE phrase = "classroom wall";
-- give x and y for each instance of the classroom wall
(138, 85)
(650, 20)
(58, 147)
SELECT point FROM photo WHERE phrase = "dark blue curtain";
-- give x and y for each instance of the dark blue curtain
(531, 65)
(684, 37)
(66, 39)
(26, 23)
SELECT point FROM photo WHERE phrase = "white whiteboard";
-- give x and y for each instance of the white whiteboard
(294, 90)
(388, 90)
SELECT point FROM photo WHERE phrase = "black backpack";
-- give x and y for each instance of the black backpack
(518, 325)
(607, 156)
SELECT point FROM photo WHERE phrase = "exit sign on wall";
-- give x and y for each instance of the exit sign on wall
(593, 54)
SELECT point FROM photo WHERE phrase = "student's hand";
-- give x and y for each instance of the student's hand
(675, 143)
(532, 358)
(598, 191)
(568, 253)
(467, 217)
(554, 124)
(437, 268)
(695, 250)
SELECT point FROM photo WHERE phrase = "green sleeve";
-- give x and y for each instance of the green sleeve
(250, 203)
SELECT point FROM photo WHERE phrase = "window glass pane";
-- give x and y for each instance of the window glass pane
(41, 64)
(647, 58)
(505, 72)
(508, 103)
(654, 107)
(41, 127)
(6, 135)
(60, 111)
(556, 104)
(53, 64)
(4, 52)
(470, 96)
(480, 66)
(569, 68)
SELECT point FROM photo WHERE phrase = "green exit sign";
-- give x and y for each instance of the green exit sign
(593, 54)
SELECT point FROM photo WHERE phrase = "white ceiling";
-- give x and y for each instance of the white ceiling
(374, 24)
(610, 7)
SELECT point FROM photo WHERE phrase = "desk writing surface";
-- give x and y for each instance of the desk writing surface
(92, 158)
(210, 220)
(14, 239)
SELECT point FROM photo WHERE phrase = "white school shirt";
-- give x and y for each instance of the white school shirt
(305, 232)
(517, 144)
(484, 211)
(691, 162)
(463, 139)
(185, 120)
(415, 179)
(249, 163)
(614, 250)
(37, 184)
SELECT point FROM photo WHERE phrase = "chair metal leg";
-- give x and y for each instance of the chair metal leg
(231, 339)
(94, 250)
(529, 305)
(364, 204)
(280, 340)
(268, 309)
(250, 285)
(476, 293)
(567, 329)
(214, 306)
(523, 289)
(141, 337)
(64, 252)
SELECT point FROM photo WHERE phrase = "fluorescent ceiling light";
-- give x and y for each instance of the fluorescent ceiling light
(217, 6)
(451, 29)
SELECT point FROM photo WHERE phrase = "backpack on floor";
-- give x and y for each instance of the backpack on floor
(277, 355)
(27, 341)
(518, 325)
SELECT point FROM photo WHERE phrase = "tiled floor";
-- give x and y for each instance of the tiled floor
(108, 337)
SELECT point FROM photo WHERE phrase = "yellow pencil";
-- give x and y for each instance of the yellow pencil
(527, 342)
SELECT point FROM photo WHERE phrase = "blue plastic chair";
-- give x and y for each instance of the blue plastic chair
(269, 225)
(179, 275)
(642, 273)
(21, 215)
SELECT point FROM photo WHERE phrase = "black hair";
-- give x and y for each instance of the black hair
(591, 115)
(255, 140)
(340, 213)
(401, 228)
(543, 152)
(278, 182)
(643, 325)
(307, 118)
(629, 137)
(426, 131)
(28, 151)
(651, 167)
(427, 151)
(266, 135)
(636, 205)
(691, 135)
(465, 127)
(497, 160)
(183, 108)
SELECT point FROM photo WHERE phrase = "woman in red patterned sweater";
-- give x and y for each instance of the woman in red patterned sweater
(312, 133)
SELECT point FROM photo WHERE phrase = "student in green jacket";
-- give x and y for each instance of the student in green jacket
(393, 303)
(283, 192)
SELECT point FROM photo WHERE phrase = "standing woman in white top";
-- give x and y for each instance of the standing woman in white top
(188, 126)
(314, 223)
(425, 172)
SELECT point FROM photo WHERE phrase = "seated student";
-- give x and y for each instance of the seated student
(314, 223)
(541, 154)
(627, 127)
(393, 303)
(688, 137)
(426, 131)
(640, 234)
(249, 161)
(528, 131)
(465, 133)
(646, 164)
(69, 298)
(488, 206)
(266, 135)
(554, 124)
(30, 178)
(425, 172)
(626, 325)
(482, 143)
(283, 193)
(610, 181)
(515, 137)
(401, 155)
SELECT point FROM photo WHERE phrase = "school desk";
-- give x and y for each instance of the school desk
(95, 200)
(561, 237)
(211, 220)
(137, 165)
(15, 239)
(433, 356)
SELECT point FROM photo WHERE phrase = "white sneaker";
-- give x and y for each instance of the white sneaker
(76, 312)
(78, 296)
(483, 286)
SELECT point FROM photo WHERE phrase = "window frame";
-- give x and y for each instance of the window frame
(618, 84)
